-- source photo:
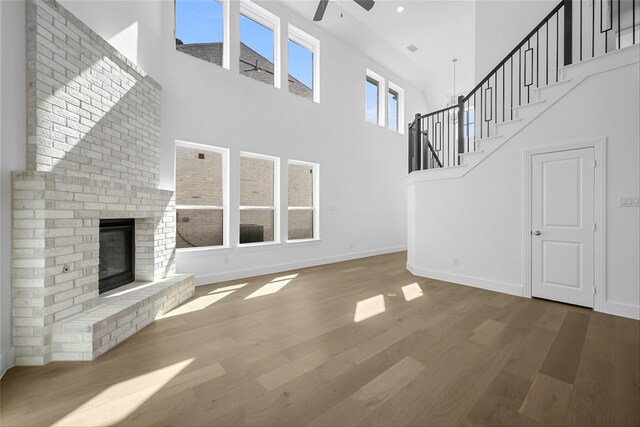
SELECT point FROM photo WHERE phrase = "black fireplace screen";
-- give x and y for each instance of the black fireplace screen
(117, 252)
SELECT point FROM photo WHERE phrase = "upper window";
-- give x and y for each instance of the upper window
(303, 60)
(201, 195)
(395, 108)
(200, 30)
(302, 201)
(373, 88)
(375, 102)
(259, 183)
(259, 44)
(392, 110)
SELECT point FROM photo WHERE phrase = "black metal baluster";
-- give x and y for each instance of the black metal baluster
(633, 20)
(503, 77)
(495, 85)
(593, 28)
(519, 77)
(525, 72)
(580, 30)
(537, 58)
(511, 90)
(557, 44)
(632, 29)
(546, 62)
(482, 112)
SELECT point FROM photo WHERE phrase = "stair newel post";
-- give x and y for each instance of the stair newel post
(460, 126)
(568, 32)
(417, 140)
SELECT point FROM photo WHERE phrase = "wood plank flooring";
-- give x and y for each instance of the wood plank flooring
(291, 354)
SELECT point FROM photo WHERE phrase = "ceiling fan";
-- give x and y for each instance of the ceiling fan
(365, 4)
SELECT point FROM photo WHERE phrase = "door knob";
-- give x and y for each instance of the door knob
(536, 233)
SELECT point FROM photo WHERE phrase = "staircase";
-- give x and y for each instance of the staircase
(469, 170)
(539, 71)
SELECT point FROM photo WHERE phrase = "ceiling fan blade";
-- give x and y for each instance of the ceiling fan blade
(322, 6)
(366, 4)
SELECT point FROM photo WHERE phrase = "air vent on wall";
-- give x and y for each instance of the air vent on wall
(412, 48)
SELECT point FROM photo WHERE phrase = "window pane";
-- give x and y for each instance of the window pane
(300, 179)
(393, 110)
(198, 177)
(372, 101)
(256, 182)
(469, 118)
(300, 70)
(256, 226)
(300, 224)
(256, 50)
(198, 227)
(199, 29)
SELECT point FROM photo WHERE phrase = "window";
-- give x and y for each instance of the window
(469, 123)
(259, 44)
(259, 184)
(395, 108)
(201, 30)
(392, 110)
(201, 195)
(372, 101)
(303, 60)
(303, 201)
(375, 104)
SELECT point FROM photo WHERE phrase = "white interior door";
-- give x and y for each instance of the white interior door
(563, 226)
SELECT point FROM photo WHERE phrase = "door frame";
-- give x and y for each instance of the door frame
(599, 146)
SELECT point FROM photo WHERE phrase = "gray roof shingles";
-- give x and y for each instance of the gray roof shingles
(252, 64)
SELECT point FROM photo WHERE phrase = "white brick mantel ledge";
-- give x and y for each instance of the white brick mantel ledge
(118, 315)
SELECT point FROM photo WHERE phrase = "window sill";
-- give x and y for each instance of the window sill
(303, 242)
(221, 249)
(261, 245)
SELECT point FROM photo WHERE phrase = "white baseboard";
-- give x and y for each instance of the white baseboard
(277, 268)
(6, 361)
(491, 285)
(620, 309)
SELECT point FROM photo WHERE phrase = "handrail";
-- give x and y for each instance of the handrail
(516, 49)
(536, 61)
(442, 110)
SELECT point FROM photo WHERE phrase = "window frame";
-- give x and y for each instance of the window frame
(296, 35)
(224, 152)
(271, 21)
(315, 198)
(276, 199)
(382, 99)
(226, 32)
(392, 87)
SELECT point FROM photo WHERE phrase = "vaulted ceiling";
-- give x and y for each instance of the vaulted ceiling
(441, 30)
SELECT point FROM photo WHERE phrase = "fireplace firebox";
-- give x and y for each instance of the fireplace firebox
(117, 253)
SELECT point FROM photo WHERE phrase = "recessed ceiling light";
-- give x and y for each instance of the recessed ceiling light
(400, 9)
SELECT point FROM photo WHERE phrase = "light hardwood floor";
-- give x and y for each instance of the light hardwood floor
(452, 355)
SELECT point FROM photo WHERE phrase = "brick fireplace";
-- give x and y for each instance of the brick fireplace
(93, 153)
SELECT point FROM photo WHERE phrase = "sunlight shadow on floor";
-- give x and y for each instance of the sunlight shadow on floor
(120, 400)
(200, 303)
(368, 308)
(269, 288)
(412, 291)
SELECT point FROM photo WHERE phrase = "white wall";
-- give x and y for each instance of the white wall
(478, 218)
(13, 147)
(362, 192)
(501, 25)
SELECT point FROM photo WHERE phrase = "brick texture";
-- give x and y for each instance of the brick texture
(93, 153)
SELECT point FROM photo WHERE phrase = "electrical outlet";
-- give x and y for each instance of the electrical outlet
(226, 260)
(628, 201)
(454, 261)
